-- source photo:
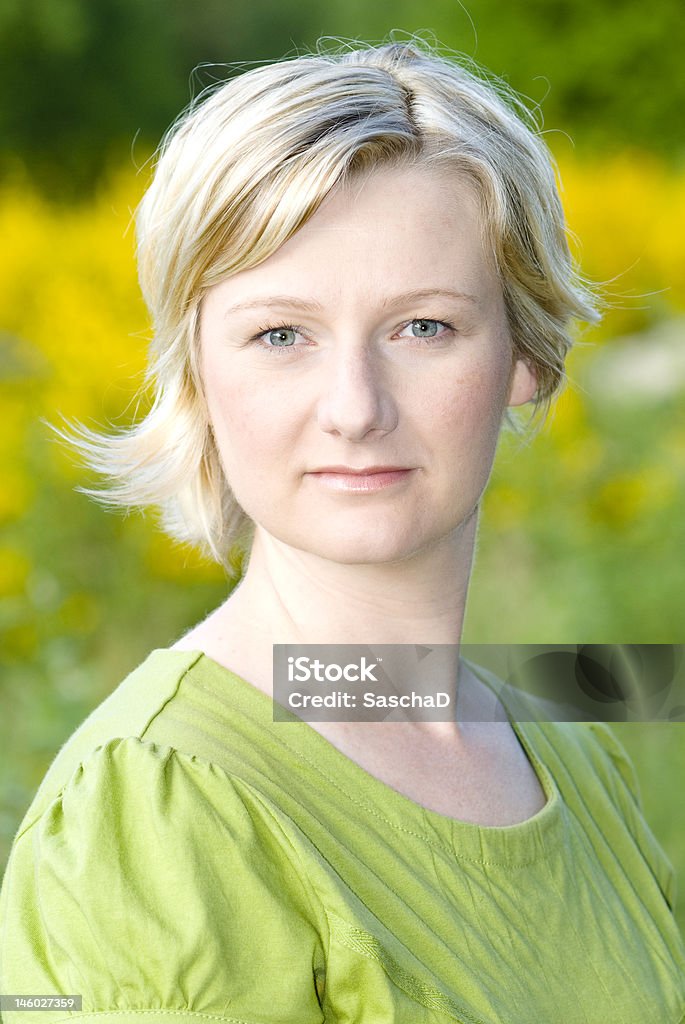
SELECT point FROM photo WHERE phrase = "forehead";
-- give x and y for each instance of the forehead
(398, 200)
(391, 229)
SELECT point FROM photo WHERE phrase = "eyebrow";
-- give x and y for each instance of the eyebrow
(312, 306)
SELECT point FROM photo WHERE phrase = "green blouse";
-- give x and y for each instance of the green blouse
(186, 858)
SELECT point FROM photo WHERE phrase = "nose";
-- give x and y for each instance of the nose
(355, 399)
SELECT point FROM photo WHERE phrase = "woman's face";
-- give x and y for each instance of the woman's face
(376, 336)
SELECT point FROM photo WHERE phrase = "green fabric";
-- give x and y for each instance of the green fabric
(188, 859)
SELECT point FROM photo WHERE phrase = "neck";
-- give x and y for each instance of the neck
(298, 597)
(291, 597)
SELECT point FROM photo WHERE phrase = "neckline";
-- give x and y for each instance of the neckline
(512, 845)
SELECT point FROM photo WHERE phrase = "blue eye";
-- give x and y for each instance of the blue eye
(282, 337)
(426, 328)
(429, 328)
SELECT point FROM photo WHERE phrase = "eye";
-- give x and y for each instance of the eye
(424, 328)
(277, 338)
(281, 336)
(427, 327)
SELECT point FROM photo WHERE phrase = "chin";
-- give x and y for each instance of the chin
(359, 546)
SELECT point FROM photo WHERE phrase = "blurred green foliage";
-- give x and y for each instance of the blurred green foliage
(82, 83)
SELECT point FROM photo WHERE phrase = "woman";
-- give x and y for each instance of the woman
(356, 264)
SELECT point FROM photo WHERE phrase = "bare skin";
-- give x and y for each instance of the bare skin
(478, 773)
(356, 384)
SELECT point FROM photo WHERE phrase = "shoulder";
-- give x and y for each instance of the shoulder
(154, 880)
(126, 712)
(590, 751)
(589, 764)
(575, 747)
(137, 800)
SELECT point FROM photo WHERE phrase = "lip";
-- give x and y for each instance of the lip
(366, 471)
(361, 481)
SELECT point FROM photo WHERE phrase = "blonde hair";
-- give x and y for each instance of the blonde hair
(247, 165)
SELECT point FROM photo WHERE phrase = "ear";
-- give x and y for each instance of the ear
(523, 383)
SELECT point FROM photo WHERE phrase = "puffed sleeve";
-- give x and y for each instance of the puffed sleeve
(159, 887)
(629, 797)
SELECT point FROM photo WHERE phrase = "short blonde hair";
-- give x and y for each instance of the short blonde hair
(247, 165)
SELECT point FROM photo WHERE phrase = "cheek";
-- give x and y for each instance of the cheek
(250, 429)
(470, 409)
